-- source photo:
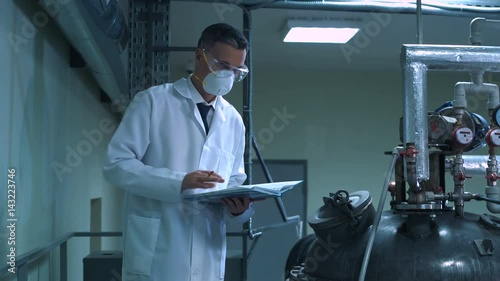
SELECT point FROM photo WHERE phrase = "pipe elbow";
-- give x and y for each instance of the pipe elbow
(493, 193)
(413, 182)
(476, 28)
(493, 95)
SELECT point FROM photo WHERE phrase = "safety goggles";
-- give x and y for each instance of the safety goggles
(216, 66)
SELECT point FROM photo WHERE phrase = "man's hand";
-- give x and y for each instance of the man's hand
(237, 205)
(200, 179)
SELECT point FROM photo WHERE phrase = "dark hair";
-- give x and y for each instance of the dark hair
(223, 33)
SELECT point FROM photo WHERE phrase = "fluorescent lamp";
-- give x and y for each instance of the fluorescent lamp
(320, 35)
(320, 31)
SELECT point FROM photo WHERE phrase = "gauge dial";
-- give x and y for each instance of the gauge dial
(463, 135)
(493, 137)
(437, 128)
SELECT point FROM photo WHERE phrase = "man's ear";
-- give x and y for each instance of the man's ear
(199, 55)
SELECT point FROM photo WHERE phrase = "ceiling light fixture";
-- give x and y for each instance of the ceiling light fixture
(320, 31)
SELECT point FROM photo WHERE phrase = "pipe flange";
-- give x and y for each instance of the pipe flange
(490, 221)
(418, 207)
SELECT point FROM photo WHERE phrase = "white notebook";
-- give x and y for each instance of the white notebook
(254, 191)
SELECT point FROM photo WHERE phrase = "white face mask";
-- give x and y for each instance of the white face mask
(219, 82)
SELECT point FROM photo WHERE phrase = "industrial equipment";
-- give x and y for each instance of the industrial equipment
(427, 234)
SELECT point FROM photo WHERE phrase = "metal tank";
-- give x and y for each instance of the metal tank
(411, 247)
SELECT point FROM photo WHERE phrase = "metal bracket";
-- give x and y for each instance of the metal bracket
(149, 28)
(484, 247)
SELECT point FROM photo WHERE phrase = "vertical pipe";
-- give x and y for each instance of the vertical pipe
(63, 260)
(420, 25)
(265, 170)
(458, 178)
(22, 272)
(247, 121)
(380, 209)
(415, 117)
(267, 174)
(247, 98)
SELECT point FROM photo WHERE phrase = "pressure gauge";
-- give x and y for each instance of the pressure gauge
(493, 137)
(437, 127)
(496, 115)
(463, 136)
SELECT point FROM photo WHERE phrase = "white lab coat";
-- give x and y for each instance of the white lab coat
(159, 140)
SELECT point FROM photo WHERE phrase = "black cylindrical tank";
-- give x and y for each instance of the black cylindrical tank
(410, 247)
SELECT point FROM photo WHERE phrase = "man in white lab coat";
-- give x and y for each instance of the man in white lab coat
(182, 137)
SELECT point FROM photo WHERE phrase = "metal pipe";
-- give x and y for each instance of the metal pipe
(493, 193)
(420, 27)
(63, 262)
(247, 98)
(416, 60)
(480, 197)
(463, 89)
(267, 174)
(477, 77)
(380, 209)
(393, 8)
(458, 179)
(26, 258)
(492, 170)
(99, 35)
(474, 165)
(452, 57)
(247, 121)
(477, 87)
(415, 120)
(265, 170)
(476, 28)
(22, 272)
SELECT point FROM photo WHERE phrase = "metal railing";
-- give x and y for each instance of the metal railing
(24, 260)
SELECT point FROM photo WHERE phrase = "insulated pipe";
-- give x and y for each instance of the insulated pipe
(474, 165)
(415, 61)
(391, 8)
(415, 122)
(452, 57)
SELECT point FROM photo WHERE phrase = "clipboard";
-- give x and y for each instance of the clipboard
(254, 191)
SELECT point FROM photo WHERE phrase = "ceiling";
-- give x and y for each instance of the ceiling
(376, 46)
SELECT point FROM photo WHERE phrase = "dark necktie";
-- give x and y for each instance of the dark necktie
(204, 109)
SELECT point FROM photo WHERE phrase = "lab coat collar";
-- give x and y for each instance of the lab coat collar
(182, 86)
